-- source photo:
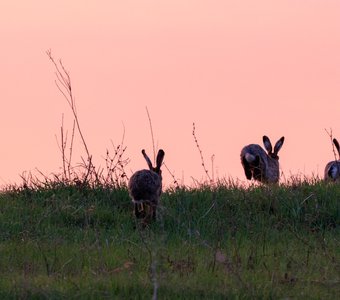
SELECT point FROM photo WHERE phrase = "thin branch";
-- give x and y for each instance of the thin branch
(63, 145)
(64, 78)
(71, 150)
(212, 167)
(200, 152)
(152, 136)
(175, 182)
(330, 134)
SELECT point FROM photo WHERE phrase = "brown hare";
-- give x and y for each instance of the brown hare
(145, 188)
(332, 169)
(258, 164)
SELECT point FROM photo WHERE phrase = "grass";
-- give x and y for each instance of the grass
(71, 242)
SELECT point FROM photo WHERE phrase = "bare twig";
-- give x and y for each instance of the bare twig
(200, 152)
(330, 134)
(212, 167)
(175, 182)
(152, 136)
(71, 150)
(63, 83)
(115, 173)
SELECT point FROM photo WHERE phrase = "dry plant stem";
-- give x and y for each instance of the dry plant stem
(330, 134)
(153, 262)
(212, 167)
(175, 182)
(200, 152)
(115, 166)
(63, 146)
(152, 136)
(63, 83)
(43, 176)
(71, 150)
(120, 150)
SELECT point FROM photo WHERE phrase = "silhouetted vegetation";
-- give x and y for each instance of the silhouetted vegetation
(61, 241)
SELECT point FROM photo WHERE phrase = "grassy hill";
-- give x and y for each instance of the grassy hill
(67, 241)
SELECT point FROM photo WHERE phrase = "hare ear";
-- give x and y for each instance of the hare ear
(278, 145)
(159, 159)
(336, 144)
(147, 159)
(267, 144)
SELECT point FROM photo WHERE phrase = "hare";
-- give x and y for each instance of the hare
(258, 164)
(145, 188)
(332, 169)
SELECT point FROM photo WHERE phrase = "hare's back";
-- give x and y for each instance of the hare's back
(332, 169)
(144, 184)
(254, 149)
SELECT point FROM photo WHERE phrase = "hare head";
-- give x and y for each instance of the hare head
(268, 146)
(258, 164)
(145, 188)
(159, 161)
(332, 169)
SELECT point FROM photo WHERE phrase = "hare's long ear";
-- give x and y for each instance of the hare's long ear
(147, 159)
(278, 145)
(267, 144)
(159, 159)
(336, 144)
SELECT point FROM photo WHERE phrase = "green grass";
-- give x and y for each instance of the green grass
(66, 242)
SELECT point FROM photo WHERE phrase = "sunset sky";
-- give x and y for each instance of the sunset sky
(238, 69)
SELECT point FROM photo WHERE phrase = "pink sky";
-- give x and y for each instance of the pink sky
(238, 69)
